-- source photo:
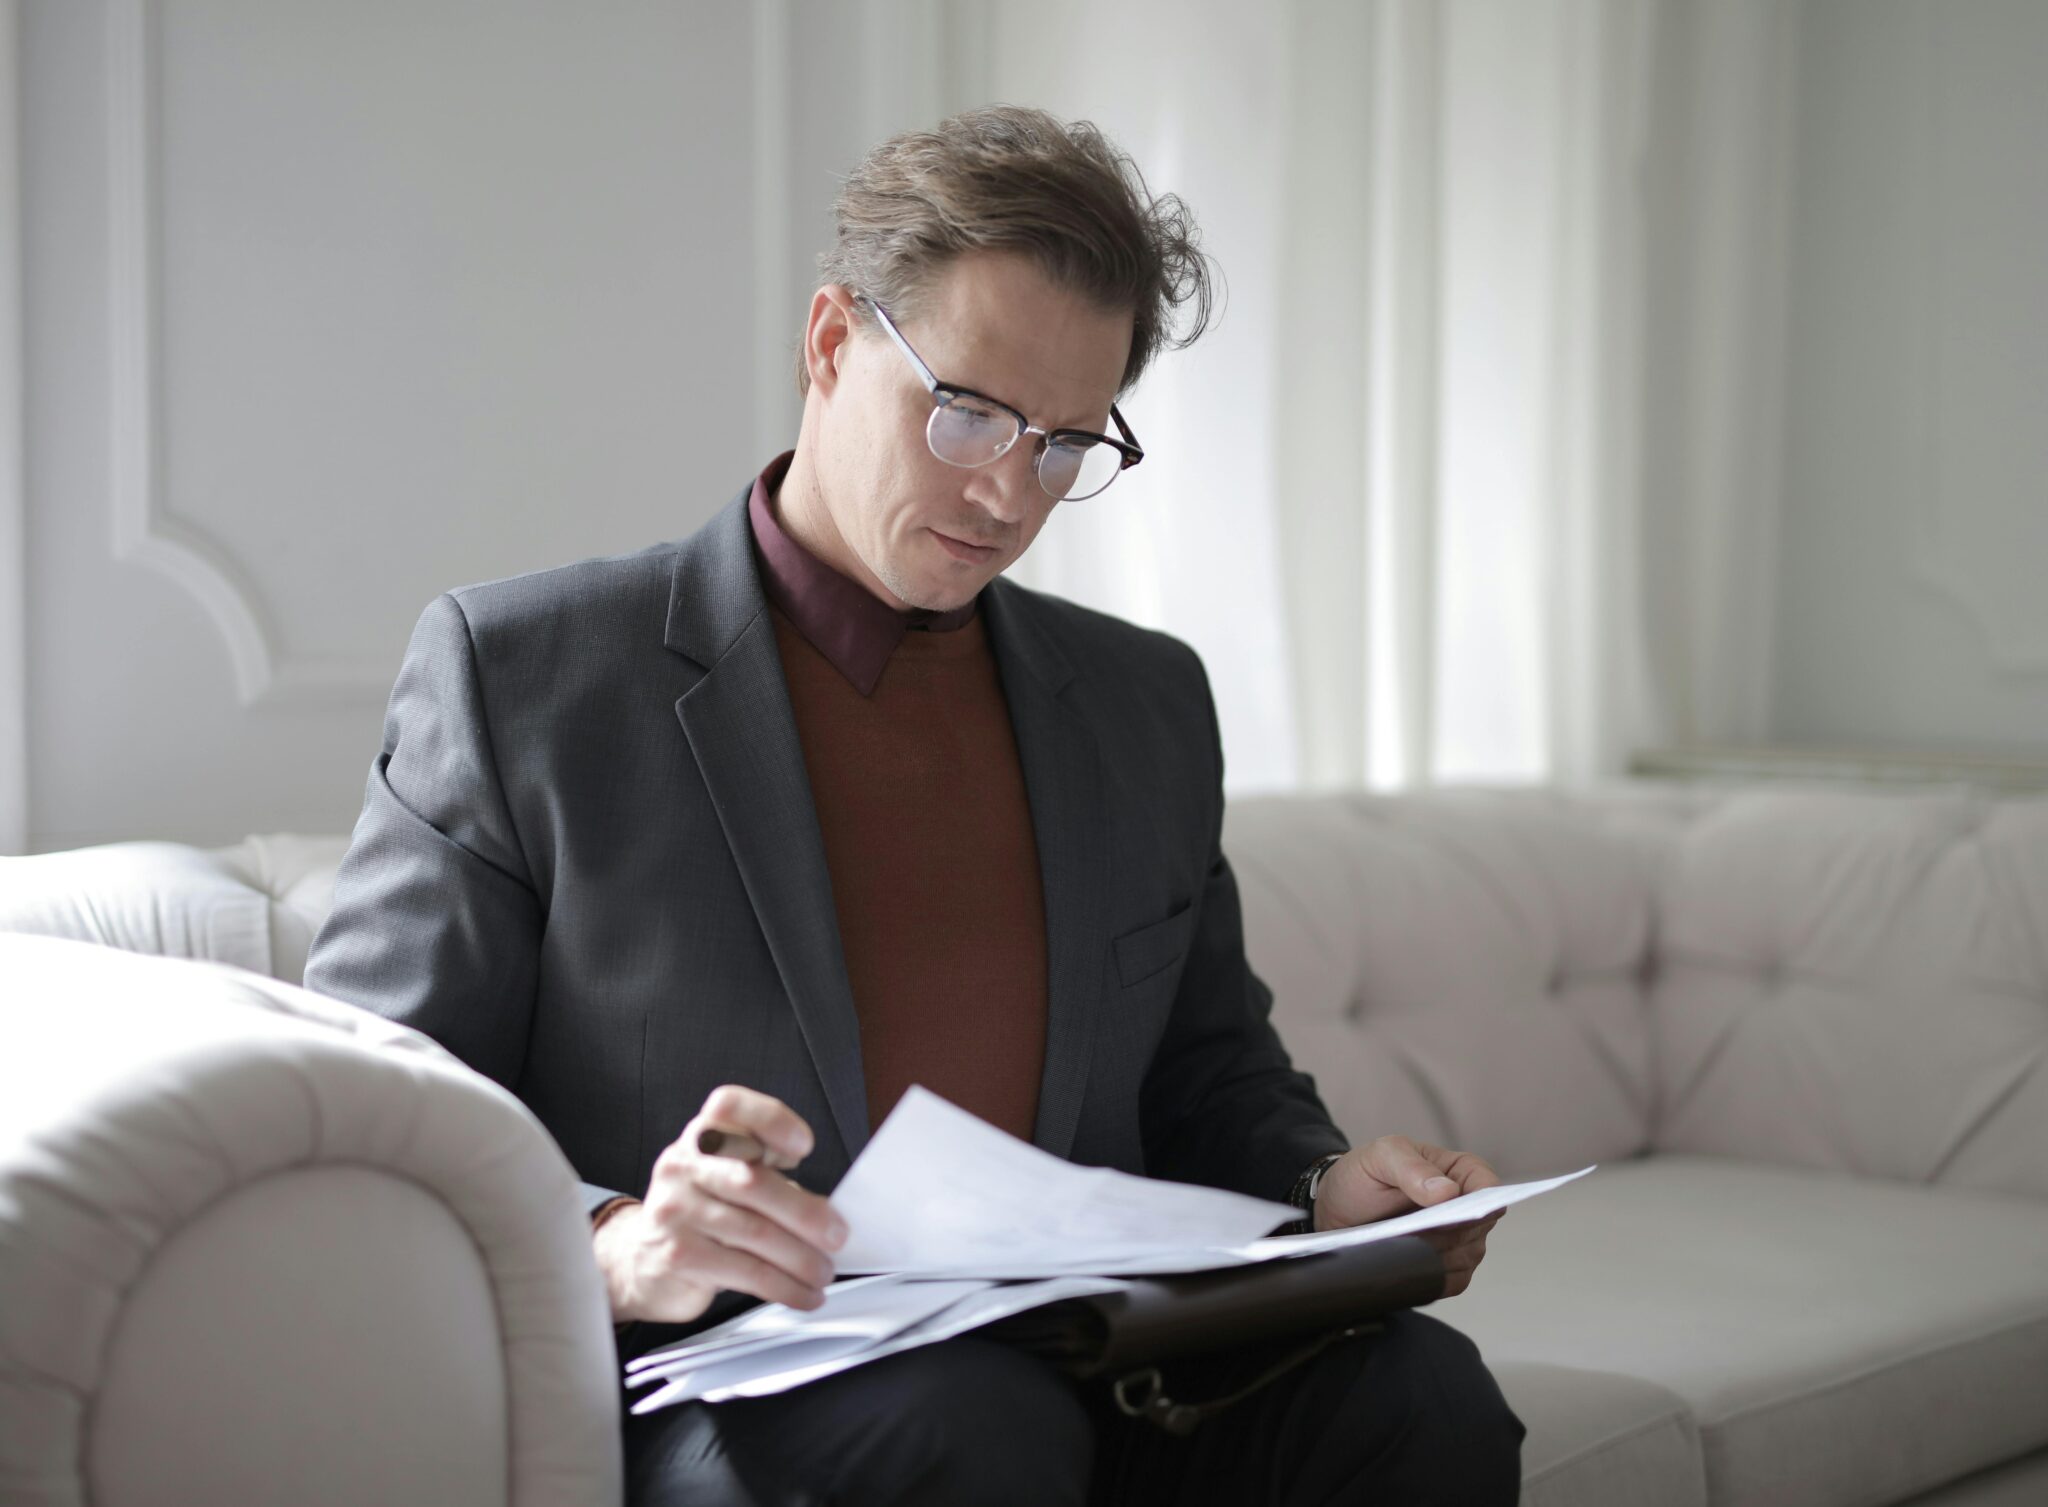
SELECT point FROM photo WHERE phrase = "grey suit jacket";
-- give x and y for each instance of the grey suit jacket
(588, 864)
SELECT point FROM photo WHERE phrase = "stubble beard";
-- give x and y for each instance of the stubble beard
(905, 589)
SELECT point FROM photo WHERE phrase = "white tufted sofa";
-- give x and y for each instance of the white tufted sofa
(1805, 1034)
(261, 1246)
(1803, 1031)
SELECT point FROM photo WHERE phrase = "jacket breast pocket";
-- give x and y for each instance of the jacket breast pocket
(1155, 946)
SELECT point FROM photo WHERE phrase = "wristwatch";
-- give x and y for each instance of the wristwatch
(1303, 1194)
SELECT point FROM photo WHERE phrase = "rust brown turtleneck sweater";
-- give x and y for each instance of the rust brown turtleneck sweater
(913, 768)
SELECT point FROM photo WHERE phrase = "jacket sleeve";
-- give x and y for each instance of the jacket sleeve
(1222, 1104)
(435, 922)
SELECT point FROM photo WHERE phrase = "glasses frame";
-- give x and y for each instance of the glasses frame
(943, 392)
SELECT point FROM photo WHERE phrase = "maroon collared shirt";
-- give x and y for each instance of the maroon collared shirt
(925, 823)
(852, 627)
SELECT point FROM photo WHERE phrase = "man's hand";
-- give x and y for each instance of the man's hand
(712, 1222)
(1394, 1175)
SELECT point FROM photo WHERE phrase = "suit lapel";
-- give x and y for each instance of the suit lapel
(1062, 768)
(741, 727)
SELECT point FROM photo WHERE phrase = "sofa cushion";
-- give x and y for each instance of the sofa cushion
(1454, 966)
(2017, 1483)
(1600, 1440)
(1859, 981)
(1839, 1339)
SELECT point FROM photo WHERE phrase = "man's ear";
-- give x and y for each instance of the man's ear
(827, 334)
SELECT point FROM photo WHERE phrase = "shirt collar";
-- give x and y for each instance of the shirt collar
(852, 627)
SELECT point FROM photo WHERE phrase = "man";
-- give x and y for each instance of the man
(753, 830)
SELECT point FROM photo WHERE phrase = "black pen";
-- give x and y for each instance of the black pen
(741, 1147)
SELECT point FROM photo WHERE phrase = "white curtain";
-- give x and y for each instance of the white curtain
(1407, 497)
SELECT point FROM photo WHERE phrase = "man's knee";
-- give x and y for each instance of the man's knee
(1458, 1416)
(965, 1420)
(968, 1420)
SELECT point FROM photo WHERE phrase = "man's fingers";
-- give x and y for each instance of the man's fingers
(735, 1224)
(739, 1270)
(1463, 1235)
(1430, 1174)
(1405, 1167)
(732, 1106)
(745, 1229)
(1460, 1260)
(806, 1215)
(1469, 1172)
(1463, 1247)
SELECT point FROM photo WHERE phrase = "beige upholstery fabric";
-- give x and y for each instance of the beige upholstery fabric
(255, 904)
(2016, 1483)
(1804, 1031)
(185, 1149)
(1832, 1005)
(1860, 983)
(1598, 1437)
(1838, 1339)
(267, 1339)
(1456, 967)
(1840, 979)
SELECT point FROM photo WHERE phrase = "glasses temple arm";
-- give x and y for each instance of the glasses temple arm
(924, 372)
(1129, 438)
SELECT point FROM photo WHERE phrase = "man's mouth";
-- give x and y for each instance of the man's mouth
(963, 549)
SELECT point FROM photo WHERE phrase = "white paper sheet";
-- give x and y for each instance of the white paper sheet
(941, 1204)
(789, 1354)
(1459, 1210)
(865, 1308)
(1465, 1207)
(797, 1361)
(937, 1189)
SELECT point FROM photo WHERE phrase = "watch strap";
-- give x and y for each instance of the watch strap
(1303, 1194)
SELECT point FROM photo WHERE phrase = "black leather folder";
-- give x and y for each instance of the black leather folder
(1159, 1318)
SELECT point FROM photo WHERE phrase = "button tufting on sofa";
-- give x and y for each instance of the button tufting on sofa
(1821, 1210)
(1810, 1267)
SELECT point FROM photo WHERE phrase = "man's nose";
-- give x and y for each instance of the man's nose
(1007, 486)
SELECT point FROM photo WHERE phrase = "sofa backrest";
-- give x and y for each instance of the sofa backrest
(1859, 982)
(255, 904)
(1462, 967)
(1846, 979)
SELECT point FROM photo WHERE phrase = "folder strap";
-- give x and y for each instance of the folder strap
(1142, 1393)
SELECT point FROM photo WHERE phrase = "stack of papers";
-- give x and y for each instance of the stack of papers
(957, 1224)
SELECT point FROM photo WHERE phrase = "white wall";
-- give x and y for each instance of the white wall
(1913, 578)
(13, 500)
(330, 307)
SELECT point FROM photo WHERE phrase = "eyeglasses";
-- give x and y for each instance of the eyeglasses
(969, 428)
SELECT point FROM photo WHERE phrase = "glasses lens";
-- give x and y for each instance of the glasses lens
(1071, 469)
(965, 431)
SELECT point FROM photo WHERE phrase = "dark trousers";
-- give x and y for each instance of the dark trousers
(1408, 1415)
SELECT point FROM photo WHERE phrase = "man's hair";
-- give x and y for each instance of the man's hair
(1007, 178)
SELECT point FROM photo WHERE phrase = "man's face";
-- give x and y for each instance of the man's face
(989, 321)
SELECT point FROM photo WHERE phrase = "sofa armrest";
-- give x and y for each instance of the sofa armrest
(260, 1245)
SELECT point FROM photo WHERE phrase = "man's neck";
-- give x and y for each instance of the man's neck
(799, 507)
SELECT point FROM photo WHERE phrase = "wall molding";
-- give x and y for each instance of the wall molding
(145, 532)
